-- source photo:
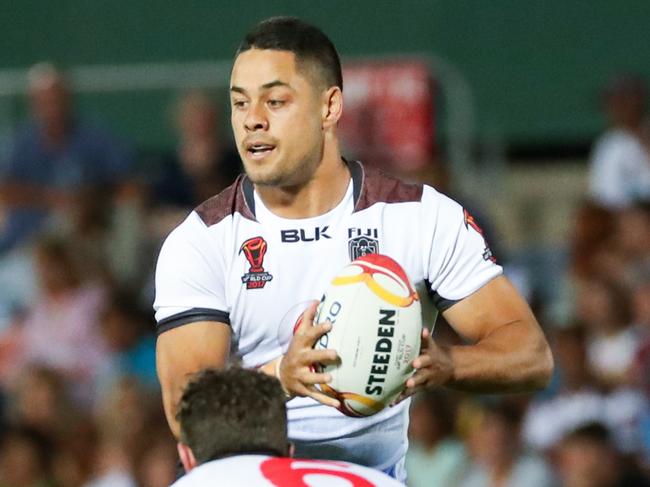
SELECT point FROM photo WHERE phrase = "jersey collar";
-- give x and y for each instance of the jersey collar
(356, 172)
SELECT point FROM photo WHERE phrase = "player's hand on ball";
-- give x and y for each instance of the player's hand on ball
(433, 367)
(296, 373)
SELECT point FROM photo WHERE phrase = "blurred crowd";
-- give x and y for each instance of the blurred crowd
(80, 228)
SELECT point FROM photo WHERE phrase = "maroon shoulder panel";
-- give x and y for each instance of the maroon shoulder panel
(231, 200)
(379, 187)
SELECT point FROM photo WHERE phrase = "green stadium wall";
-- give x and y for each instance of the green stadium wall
(535, 67)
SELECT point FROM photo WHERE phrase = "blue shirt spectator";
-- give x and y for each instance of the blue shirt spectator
(53, 158)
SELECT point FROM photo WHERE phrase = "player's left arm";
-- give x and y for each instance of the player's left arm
(507, 350)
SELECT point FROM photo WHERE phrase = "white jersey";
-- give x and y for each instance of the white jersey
(235, 262)
(265, 471)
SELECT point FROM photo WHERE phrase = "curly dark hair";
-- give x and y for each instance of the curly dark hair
(234, 410)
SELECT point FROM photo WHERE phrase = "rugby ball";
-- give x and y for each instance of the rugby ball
(376, 325)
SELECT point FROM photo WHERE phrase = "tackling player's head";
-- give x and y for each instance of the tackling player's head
(286, 99)
(231, 411)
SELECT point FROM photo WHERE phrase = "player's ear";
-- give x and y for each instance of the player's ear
(292, 449)
(186, 456)
(332, 106)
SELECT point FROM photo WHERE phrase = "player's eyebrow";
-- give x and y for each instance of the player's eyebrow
(265, 86)
(274, 83)
(237, 89)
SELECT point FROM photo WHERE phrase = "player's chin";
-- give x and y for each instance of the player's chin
(264, 178)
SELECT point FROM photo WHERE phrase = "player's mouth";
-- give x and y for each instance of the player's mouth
(259, 150)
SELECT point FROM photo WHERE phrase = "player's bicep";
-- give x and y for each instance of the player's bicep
(495, 304)
(183, 351)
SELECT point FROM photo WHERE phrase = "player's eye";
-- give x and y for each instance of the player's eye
(275, 103)
(238, 104)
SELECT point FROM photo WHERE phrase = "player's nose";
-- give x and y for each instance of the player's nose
(255, 119)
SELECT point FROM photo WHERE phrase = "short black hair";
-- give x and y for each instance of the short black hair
(230, 411)
(307, 42)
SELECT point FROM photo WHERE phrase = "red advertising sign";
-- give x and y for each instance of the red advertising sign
(388, 113)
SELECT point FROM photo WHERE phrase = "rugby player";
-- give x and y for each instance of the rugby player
(233, 278)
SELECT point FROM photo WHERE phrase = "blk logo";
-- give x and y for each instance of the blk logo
(302, 235)
(254, 250)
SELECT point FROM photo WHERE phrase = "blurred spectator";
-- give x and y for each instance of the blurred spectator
(435, 457)
(499, 460)
(633, 239)
(593, 230)
(604, 308)
(202, 166)
(156, 465)
(135, 440)
(579, 401)
(63, 174)
(41, 402)
(620, 163)
(112, 466)
(67, 315)
(641, 306)
(128, 332)
(73, 459)
(591, 252)
(55, 157)
(126, 414)
(24, 459)
(587, 458)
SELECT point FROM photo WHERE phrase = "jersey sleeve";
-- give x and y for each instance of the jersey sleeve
(457, 257)
(190, 278)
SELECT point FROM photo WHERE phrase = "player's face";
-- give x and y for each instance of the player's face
(276, 118)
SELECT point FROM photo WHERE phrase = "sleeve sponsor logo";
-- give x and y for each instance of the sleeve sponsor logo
(471, 222)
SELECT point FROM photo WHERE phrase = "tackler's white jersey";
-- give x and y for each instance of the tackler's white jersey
(265, 471)
(235, 262)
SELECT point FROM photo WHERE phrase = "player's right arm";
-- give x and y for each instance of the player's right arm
(193, 323)
(183, 351)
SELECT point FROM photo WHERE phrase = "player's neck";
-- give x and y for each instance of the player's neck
(324, 191)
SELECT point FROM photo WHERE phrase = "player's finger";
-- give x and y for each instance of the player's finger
(405, 395)
(323, 398)
(317, 331)
(327, 356)
(306, 320)
(422, 361)
(316, 378)
(425, 338)
(418, 379)
(308, 337)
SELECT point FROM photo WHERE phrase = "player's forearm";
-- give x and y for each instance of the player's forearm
(184, 351)
(513, 358)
